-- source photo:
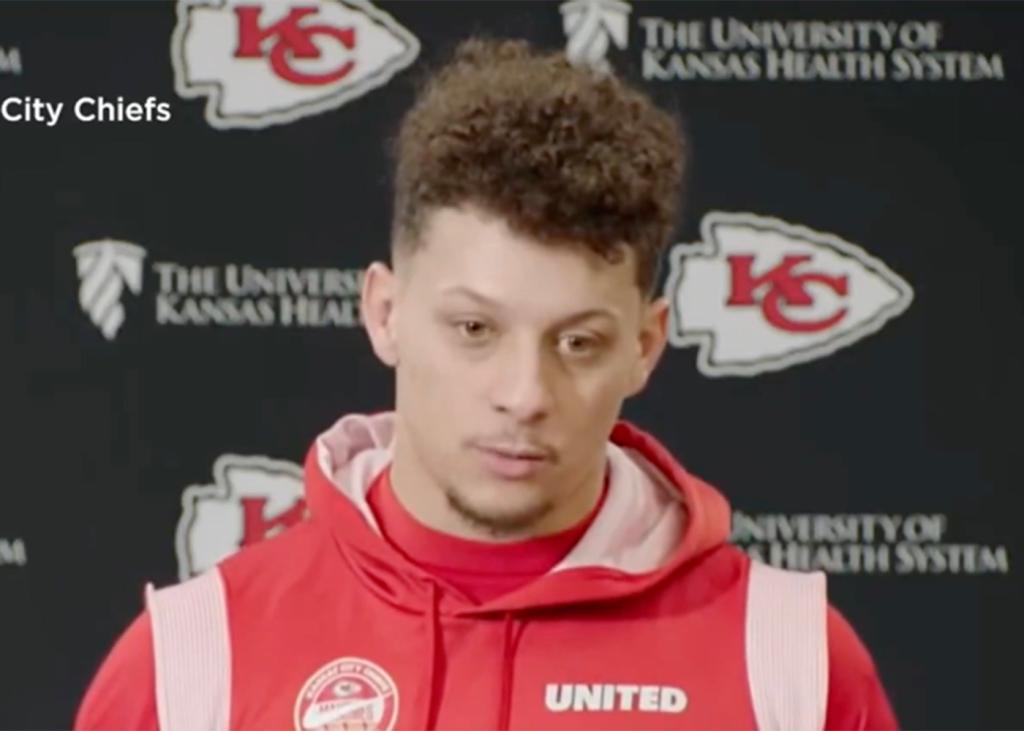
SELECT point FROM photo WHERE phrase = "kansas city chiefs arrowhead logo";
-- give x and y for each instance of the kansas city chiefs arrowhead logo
(264, 63)
(251, 499)
(758, 294)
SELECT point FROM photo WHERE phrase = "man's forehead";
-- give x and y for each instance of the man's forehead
(574, 310)
(473, 236)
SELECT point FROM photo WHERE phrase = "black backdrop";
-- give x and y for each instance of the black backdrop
(884, 454)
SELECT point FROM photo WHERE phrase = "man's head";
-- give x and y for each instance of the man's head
(533, 202)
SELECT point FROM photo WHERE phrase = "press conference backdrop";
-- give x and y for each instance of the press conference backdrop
(190, 193)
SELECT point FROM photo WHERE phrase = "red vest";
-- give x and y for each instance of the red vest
(651, 621)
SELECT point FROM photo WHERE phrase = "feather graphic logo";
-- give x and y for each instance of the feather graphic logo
(105, 268)
(591, 26)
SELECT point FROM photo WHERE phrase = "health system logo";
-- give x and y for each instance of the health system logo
(865, 543)
(728, 48)
(219, 295)
(757, 294)
(13, 552)
(10, 60)
(267, 63)
(105, 268)
(591, 26)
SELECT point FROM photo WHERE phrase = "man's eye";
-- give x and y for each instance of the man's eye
(472, 329)
(576, 344)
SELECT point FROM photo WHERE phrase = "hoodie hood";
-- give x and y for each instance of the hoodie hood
(655, 519)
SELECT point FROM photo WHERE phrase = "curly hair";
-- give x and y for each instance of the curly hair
(562, 153)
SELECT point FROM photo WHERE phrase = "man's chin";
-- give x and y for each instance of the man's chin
(502, 516)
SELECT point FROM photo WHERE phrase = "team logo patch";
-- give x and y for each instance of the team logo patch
(347, 694)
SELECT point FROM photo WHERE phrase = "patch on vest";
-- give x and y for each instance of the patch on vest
(347, 694)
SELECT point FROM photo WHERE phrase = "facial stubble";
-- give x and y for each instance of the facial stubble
(497, 524)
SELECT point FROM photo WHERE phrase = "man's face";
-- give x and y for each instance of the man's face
(512, 362)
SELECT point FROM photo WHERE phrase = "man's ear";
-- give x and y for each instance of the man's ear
(379, 311)
(653, 337)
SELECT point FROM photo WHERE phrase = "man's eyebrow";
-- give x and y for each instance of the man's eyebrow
(592, 312)
(461, 290)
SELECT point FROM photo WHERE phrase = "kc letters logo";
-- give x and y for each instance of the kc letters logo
(251, 499)
(758, 294)
(266, 63)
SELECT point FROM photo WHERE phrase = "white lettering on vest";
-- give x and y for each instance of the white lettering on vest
(559, 697)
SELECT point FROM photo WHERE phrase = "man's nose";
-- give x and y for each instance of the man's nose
(524, 386)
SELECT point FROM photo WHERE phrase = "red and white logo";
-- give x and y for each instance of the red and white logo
(758, 294)
(348, 694)
(252, 499)
(265, 63)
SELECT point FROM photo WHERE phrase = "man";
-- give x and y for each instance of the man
(501, 552)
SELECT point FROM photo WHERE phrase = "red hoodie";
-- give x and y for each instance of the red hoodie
(640, 626)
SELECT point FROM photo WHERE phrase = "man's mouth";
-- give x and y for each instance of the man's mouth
(512, 462)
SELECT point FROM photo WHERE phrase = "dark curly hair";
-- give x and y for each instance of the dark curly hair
(563, 153)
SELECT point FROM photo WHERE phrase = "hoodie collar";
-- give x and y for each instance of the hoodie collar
(656, 518)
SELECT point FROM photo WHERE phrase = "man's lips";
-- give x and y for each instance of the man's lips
(514, 452)
(512, 462)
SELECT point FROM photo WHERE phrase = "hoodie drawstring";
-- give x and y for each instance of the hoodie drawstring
(435, 666)
(511, 632)
(508, 653)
